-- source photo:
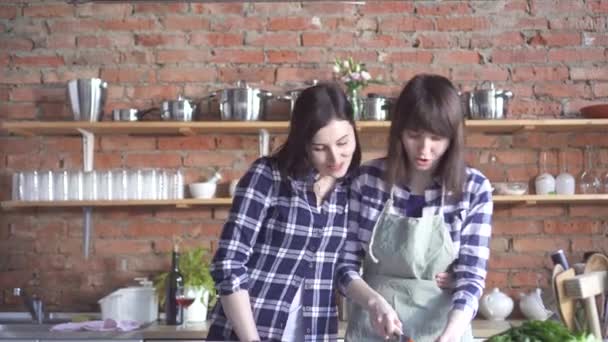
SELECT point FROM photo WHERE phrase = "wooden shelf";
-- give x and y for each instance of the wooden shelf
(551, 199)
(227, 201)
(32, 128)
(183, 203)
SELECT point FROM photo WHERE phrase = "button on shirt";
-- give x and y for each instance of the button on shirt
(276, 237)
(468, 220)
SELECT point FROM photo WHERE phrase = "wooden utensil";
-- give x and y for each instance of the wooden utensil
(586, 286)
(598, 262)
(565, 304)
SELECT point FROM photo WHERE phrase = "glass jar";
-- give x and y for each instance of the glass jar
(588, 181)
(565, 183)
(355, 100)
(544, 182)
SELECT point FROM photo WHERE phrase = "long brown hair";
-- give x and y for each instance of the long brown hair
(315, 107)
(429, 103)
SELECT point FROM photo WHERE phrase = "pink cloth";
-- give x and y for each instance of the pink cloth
(105, 325)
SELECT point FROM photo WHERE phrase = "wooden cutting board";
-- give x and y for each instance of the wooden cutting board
(565, 304)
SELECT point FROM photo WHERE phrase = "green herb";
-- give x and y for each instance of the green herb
(194, 267)
(541, 331)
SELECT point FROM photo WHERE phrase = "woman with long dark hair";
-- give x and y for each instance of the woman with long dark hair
(275, 264)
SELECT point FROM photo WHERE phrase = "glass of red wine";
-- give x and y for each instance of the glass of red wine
(184, 299)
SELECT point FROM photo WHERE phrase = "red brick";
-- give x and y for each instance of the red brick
(121, 247)
(582, 244)
(107, 161)
(516, 227)
(562, 90)
(327, 39)
(519, 56)
(538, 212)
(19, 77)
(241, 142)
(462, 24)
(181, 56)
(216, 39)
(600, 89)
(138, 229)
(525, 108)
(536, 73)
(588, 73)
(18, 111)
(199, 142)
(184, 74)
(215, 159)
(16, 44)
(153, 40)
(8, 12)
(225, 8)
(81, 26)
(185, 23)
(292, 24)
(160, 8)
(298, 74)
(405, 24)
(541, 244)
(530, 278)
(259, 76)
(109, 229)
(558, 7)
(273, 39)
(497, 279)
(237, 56)
(388, 7)
(474, 73)
(135, 24)
(230, 24)
(345, 9)
(99, 10)
(154, 92)
(414, 57)
(282, 56)
(53, 76)
(127, 75)
(193, 213)
(572, 227)
(168, 160)
(458, 57)
(48, 10)
(500, 261)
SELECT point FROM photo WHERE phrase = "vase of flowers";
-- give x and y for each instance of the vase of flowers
(355, 77)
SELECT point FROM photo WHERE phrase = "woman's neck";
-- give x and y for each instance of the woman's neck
(419, 181)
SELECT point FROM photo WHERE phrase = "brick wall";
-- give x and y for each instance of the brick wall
(551, 54)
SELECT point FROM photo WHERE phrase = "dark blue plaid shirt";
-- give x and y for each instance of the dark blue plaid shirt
(275, 240)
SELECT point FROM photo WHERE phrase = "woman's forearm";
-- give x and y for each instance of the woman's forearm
(359, 292)
(238, 310)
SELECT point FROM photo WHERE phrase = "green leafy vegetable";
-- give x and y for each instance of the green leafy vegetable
(541, 331)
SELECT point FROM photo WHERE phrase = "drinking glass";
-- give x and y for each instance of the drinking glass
(31, 188)
(150, 184)
(184, 299)
(106, 186)
(61, 181)
(46, 185)
(18, 182)
(588, 181)
(134, 191)
(120, 179)
(75, 187)
(90, 185)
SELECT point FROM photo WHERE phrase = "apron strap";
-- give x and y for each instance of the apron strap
(387, 206)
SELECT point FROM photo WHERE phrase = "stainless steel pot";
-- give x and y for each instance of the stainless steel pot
(292, 95)
(130, 114)
(242, 103)
(178, 110)
(87, 97)
(487, 103)
(375, 107)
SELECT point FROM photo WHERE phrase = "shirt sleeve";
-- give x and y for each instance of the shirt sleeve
(349, 260)
(250, 204)
(470, 269)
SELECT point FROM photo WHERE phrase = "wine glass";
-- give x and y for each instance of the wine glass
(184, 299)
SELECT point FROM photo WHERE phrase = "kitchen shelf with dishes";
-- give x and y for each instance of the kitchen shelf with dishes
(507, 126)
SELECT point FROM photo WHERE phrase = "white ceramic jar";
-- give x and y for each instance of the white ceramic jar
(531, 306)
(495, 306)
(565, 184)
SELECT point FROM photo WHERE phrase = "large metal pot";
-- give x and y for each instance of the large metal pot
(375, 107)
(87, 97)
(130, 114)
(242, 103)
(486, 103)
(178, 110)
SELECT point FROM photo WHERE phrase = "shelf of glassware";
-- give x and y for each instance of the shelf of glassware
(227, 201)
(33, 128)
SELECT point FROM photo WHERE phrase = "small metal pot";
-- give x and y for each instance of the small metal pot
(130, 114)
(486, 103)
(178, 110)
(242, 103)
(292, 95)
(375, 107)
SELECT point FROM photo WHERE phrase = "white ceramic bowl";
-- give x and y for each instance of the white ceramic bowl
(510, 188)
(202, 190)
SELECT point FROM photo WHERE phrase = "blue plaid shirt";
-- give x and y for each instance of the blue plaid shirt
(467, 218)
(275, 241)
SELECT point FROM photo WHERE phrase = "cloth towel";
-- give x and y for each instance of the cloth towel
(105, 325)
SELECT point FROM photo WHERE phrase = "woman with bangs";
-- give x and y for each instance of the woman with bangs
(415, 214)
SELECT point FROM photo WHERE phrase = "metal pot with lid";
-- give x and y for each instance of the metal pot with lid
(178, 110)
(130, 114)
(292, 95)
(375, 107)
(486, 102)
(244, 103)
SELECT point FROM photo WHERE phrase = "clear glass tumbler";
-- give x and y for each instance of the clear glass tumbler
(588, 181)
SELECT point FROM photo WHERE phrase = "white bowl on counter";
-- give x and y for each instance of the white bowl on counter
(203, 190)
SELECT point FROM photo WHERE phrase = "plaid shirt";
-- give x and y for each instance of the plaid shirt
(275, 241)
(468, 220)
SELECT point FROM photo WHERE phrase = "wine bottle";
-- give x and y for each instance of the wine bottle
(175, 280)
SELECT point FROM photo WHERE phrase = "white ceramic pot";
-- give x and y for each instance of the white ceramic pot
(544, 184)
(197, 311)
(495, 306)
(531, 305)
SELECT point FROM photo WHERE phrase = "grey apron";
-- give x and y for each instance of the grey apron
(405, 254)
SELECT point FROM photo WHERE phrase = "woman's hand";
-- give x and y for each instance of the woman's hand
(383, 318)
(445, 280)
(456, 327)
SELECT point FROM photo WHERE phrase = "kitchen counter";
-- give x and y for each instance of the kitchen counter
(157, 330)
